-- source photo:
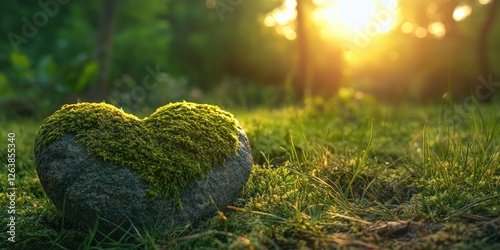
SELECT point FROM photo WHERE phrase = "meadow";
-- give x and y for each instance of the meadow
(340, 173)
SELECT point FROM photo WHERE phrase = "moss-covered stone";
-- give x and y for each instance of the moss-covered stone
(177, 145)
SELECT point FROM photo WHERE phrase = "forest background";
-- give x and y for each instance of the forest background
(142, 54)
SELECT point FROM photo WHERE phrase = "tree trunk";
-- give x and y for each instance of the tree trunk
(103, 51)
(303, 50)
(483, 43)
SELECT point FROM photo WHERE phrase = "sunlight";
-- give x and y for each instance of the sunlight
(438, 29)
(282, 18)
(407, 28)
(461, 12)
(342, 18)
(421, 32)
(351, 14)
(289, 33)
(339, 18)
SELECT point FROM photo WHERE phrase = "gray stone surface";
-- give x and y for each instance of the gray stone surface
(86, 188)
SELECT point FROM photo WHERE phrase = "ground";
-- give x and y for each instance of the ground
(327, 174)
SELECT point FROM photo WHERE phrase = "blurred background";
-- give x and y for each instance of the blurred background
(140, 55)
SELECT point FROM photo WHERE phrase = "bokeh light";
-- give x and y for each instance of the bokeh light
(461, 12)
(438, 29)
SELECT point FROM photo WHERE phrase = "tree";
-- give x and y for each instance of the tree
(318, 59)
(302, 48)
(483, 42)
(103, 51)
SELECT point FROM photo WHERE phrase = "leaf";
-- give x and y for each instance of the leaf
(3, 79)
(5, 87)
(88, 75)
(20, 61)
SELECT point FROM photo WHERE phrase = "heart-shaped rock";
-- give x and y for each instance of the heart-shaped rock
(96, 161)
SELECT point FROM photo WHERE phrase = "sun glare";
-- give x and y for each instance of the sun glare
(343, 18)
(351, 14)
(339, 18)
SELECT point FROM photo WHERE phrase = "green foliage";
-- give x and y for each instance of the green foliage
(20, 63)
(194, 42)
(348, 102)
(177, 144)
(154, 90)
(4, 84)
(87, 76)
(208, 50)
(142, 39)
(25, 82)
(245, 95)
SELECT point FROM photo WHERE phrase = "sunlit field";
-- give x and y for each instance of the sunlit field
(339, 173)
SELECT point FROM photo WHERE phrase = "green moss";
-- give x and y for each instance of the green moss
(177, 144)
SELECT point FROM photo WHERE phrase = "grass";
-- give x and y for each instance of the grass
(328, 174)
